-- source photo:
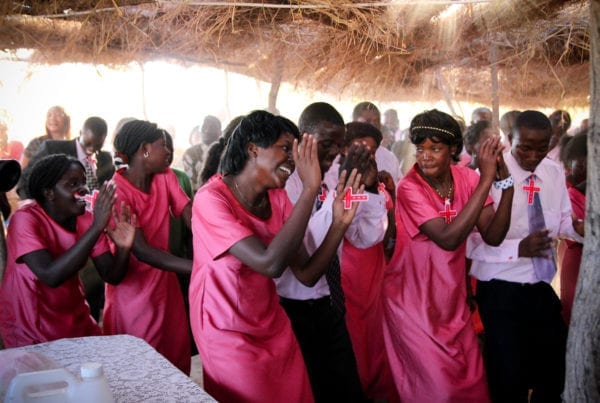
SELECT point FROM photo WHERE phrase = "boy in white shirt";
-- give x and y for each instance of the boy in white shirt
(524, 330)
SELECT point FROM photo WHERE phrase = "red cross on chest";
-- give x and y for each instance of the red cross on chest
(531, 189)
(349, 197)
(447, 212)
(323, 195)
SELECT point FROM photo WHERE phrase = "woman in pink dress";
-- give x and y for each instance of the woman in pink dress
(362, 267)
(48, 242)
(246, 232)
(148, 302)
(575, 159)
(430, 342)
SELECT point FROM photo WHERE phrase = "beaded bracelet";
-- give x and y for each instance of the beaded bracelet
(505, 183)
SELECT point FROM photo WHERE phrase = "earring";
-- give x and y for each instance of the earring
(146, 154)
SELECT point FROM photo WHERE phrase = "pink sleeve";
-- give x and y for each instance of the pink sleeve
(28, 235)
(177, 197)
(216, 222)
(414, 208)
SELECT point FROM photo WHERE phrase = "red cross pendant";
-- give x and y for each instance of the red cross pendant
(531, 189)
(350, 197)
(447, 212)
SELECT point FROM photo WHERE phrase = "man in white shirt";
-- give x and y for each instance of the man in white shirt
(524, 330)
(319, 327)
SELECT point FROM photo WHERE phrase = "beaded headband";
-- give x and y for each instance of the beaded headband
(436, 129)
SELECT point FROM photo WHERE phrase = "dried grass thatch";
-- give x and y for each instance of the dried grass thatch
(381, 50)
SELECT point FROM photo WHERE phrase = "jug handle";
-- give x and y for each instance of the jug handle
(17, 388)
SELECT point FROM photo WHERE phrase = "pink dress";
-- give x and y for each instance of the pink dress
(148, 302)
(571, 259)
(430, 341)
(30, 311)
(249, 352)
(362, 269)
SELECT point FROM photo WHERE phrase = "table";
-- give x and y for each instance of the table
(135, 371)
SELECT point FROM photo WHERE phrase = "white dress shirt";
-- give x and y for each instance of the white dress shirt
(387, 161)
(288, 285)
(503, 262)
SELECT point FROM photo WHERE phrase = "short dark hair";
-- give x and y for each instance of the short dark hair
(356, 130)
(46, 173)
(561, 119)
(96, 125)
(534, 120)
(576, 147)
(439, 127)
(507, 121)
(261, 128)
(473, 132)
(364, 106)
(317, 113)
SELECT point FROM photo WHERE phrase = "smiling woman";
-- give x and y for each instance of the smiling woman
(255, 233)
(48, 242)
(148, 303)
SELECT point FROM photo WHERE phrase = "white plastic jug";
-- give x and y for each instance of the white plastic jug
(60, 386)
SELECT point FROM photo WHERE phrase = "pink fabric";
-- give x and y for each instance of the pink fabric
(249, 352)
(12, 151)
(148, 302)
(30, 311)
(362, 279)
(430, 341)
(571, 262)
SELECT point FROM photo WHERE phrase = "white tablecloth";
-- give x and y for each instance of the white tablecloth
(135, 371)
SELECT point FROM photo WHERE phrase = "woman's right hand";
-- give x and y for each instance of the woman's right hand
(306, 159)
(122, 233)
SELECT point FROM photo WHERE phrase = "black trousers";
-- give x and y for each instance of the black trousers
(327, 350)
(525, 339)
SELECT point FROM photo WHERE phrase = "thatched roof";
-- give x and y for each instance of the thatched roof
(379, 50)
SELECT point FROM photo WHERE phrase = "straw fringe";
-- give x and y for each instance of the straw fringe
(365, 50)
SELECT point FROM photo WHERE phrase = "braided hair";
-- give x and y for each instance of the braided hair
(46, 173)
(134, 134)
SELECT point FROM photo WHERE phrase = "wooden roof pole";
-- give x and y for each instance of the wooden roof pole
(494, 80)
(275, 83)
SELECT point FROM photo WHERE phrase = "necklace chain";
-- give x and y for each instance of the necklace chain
(246, 202)
(448, 195)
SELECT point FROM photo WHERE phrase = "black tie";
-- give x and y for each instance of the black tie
(333, 274)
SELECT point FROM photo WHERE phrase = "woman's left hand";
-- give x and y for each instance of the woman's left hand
(103, 204)
(340, 213)
(122, 233)
(306, 159)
